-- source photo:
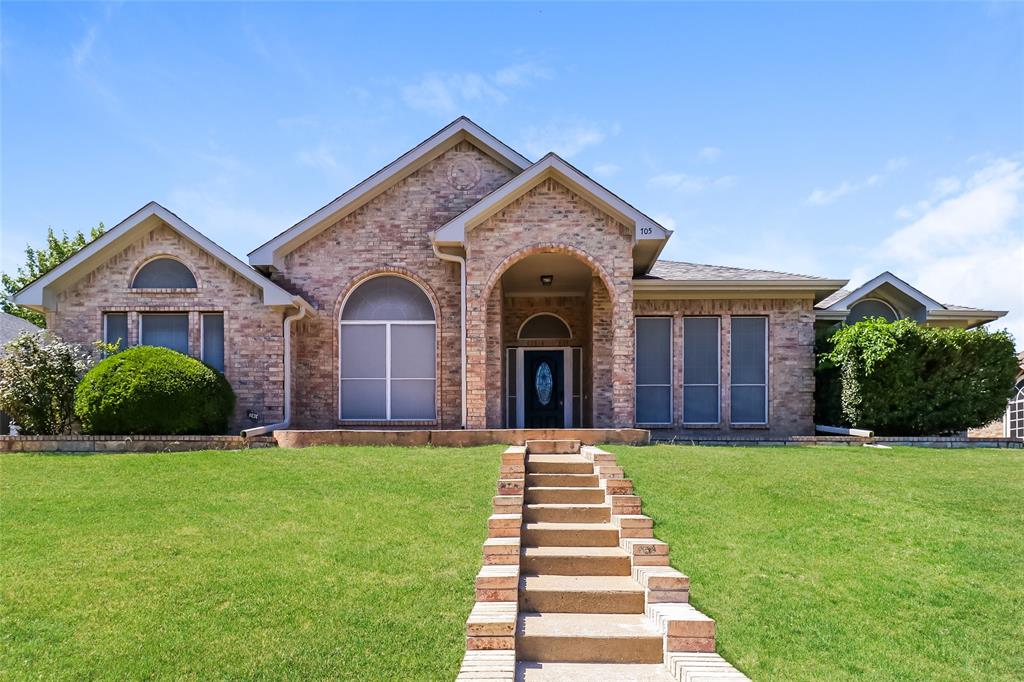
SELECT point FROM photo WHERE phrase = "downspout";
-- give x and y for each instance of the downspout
(462, 281)
(267, 428)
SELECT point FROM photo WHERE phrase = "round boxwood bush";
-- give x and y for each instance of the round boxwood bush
(150, 390)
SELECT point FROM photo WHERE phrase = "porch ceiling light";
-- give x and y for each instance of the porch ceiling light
(546, 280)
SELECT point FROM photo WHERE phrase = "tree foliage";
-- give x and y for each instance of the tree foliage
(38, 376)
(151, 390)
(38, 262)
(905, 379)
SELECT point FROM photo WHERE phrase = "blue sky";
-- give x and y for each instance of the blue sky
(830, 139)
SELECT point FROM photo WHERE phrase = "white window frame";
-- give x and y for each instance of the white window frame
(671, 370)
(1016, 402)
(162, 256)
(188, 336)
(718, 372)
(126, 324)
(767, 369)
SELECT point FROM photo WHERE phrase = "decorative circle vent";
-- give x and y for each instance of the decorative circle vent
(463, 173)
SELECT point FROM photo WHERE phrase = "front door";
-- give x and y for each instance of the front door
(544, 389)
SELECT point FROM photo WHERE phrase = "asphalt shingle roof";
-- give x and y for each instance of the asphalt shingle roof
(681, 271)
(12, 325)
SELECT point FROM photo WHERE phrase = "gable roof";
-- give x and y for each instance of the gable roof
(40, 294)
(462, 129)
(649, 237)
(683, 271)
(837, 306)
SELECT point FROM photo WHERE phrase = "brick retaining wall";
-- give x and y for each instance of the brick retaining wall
(129, 443)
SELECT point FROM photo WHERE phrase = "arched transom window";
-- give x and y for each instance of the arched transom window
(164, 273)
(1015, 413)
(544, 326)
(871, 307)
(388, 350)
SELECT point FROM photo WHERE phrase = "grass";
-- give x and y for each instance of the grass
(341, 563)
(844, 563)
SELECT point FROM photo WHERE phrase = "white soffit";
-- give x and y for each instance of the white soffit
(40, 294)
(462, 129)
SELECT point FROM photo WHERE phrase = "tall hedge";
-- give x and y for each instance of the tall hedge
(903, 379)
(153, 391)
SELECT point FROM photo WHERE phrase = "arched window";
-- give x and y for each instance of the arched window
(871, 307)
(544, 326)
(388, 350)
(1015, 413)
(164, 273)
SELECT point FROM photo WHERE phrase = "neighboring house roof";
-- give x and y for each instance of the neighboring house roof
(462, 129)
(667, 276)
(836, 307)
(12, 325)
(453, 233)
(40, 294)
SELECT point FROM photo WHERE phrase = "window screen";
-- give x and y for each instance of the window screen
(654, 370)
(115, 329)
(388, 352)
(511, 377)
(871, 308)
(168, 331)
(749, 343)
(701, 370)
(544, 326)
(213, 340)
(164, 273)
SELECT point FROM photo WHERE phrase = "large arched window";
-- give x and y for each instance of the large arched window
(164, 273)
(544, 326)
(388, 351)
(871, 307)
(1015, 413)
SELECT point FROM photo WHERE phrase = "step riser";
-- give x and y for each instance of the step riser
(569, 515)
(549, 565)
(556, 537)
(589, 649)
(566, 496)
(581, 602)
(563, 480)
(559, 468)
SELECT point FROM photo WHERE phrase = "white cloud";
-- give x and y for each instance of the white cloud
(565, 139)
(691, 184)
(967, 247)
(447, 93)
(320, 157)
(823, 197)
(82, 50)
(606, 170)
(709, 154)
(665, 220)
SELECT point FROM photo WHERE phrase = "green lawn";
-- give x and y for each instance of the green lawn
(848, 563)
(350, 563)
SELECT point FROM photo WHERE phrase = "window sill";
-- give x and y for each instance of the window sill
(657, 425)
(387, 423)
(700, 425)
(192, 290)
(750, 426)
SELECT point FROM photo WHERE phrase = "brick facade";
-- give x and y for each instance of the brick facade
(253, 346)
(790, 361)
(390, 233)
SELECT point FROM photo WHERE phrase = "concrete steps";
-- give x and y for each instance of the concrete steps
(542, 533)
(587, 638)
(564, 495)
(592, 672)
(558, 464)
(575, 561)
(562, 480)
(568, 513)
(580, 594)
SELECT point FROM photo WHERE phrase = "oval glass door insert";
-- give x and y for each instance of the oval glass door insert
(543, 382)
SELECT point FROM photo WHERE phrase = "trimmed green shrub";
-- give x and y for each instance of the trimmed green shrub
(903, 379)
(150, 390)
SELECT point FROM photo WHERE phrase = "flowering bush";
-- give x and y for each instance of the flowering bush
(38, 376)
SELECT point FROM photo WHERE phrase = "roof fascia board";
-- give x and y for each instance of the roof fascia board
(887, 277)
(271, 252)
(38, 294)
(714, 284)
(551, 166)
